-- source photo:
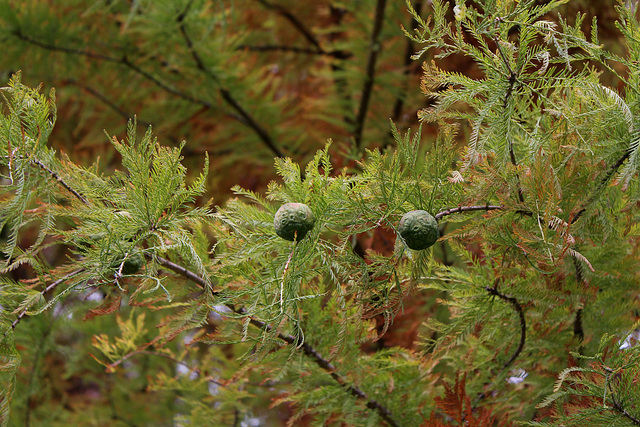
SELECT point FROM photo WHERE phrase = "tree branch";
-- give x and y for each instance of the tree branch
(323, 363)
(397, 108)
(102, 98)
(289, 339)
(620, 409)
(374, 48)
(51, 286)
(61, 181)
(243, 116)
(578, 330)
(182, 271)
(512, 81)
(247, 119)
(450, 211)
(122, 61)
(603, 182)
(295, 49)
(523, 322)
(286, 14)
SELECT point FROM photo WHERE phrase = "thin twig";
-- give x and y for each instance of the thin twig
(60, 180)
(466, 209)
(123, 61)
(397, 108)
(102, 98)
(295, 22)
(603, 182)
(294, 49)
(523, 322)
(178, 269)
(332, 370)
(512, 81)
(247, 118)
(374, 49)
(578, 330)
(51, 286)
(618, 407)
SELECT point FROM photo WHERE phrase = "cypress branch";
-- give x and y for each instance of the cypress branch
(617, 406)
(247, 119)
(49, 288)
(59, 179)
(450, 211)
(122, 61)
(106, 101)
(523, 322)
(374, 49)
(297, 24)
(602, 184)
(289, 339)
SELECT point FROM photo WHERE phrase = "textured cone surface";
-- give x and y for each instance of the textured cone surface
(132, 264)
(418, 229)
(293, 221)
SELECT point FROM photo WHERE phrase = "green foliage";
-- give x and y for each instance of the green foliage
(601, 392)
(522, 310)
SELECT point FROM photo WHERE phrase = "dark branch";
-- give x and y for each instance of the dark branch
(61, 181)
(247, 119)
(620, 409)
(122, 61)
(603, 183)
(178, 269)
(374, 49)
(289, 339)
(295, 49)
(578, 330)
(466, 209)
(102, 98)
(399, 104)
(243, 117)
(512, 81)
(523, 322)
(286, 14)
(332, 370)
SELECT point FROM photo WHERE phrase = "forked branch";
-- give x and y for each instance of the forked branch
(245, 117)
